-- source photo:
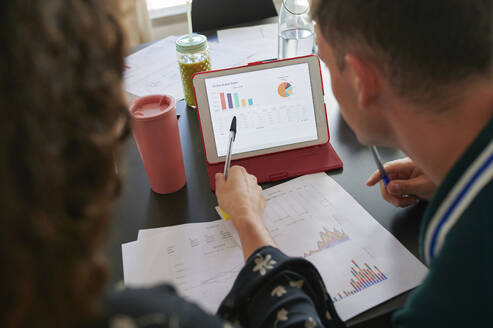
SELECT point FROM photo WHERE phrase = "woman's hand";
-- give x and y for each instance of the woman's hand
(241, 197)
(408, 183)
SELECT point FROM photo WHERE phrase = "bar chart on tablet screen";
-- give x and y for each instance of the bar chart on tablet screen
(274, 107)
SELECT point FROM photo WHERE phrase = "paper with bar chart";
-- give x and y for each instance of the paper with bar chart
(274, 107)
(362, 264)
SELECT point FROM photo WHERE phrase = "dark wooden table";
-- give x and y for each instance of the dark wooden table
(140, 208)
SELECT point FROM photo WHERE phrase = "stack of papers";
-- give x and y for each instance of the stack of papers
(261, 39)
(201, 260)
(361, 263)
(154, 69)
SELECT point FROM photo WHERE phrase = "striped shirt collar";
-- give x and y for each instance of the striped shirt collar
(464, 181)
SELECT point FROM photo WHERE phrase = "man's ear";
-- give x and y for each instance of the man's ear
(363, 78)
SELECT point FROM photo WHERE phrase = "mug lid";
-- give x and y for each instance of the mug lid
(152, 107)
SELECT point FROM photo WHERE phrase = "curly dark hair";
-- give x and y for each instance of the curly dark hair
(64, 119)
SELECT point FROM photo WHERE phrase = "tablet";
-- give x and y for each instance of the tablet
(279, 106)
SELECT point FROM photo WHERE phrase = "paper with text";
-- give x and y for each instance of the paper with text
(362, 264)
(261, 39)
(201, 260)
(154, 69)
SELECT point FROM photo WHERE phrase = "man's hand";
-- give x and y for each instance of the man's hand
(241, 197)
(408, 183)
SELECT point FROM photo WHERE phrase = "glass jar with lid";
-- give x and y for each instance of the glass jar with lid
(193, 57)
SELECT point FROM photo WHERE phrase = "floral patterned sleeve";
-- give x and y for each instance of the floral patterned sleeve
(274, 290)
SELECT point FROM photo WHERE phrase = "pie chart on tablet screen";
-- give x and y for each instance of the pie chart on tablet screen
(285, 89)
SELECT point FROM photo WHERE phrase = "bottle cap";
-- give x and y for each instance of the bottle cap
(296, 7)
(197, 43)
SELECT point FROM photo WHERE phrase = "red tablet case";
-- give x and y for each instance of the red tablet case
(281, 165)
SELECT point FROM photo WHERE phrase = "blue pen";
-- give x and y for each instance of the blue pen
(383, 174)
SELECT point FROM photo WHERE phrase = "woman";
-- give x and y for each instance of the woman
(64, 123)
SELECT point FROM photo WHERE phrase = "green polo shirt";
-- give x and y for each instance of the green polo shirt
(456, 242)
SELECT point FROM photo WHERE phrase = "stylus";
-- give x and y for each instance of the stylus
(383, 174)
(232, 136)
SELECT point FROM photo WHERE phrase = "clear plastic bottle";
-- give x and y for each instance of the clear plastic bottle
(296, 29)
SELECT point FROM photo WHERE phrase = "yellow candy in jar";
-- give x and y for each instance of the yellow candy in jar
(193, 57)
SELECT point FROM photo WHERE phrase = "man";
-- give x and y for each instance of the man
(416, 75)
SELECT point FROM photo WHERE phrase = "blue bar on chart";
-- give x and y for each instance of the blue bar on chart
(250, 102)
(230, 100)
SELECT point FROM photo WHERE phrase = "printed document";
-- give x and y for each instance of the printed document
(154, 69)
(362, 264)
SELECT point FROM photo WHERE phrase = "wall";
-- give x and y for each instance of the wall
(166, 26)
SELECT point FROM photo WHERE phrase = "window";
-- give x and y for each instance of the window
(163, 8)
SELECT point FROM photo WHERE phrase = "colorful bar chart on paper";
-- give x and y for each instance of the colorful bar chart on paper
(363, 278)
(233, 100)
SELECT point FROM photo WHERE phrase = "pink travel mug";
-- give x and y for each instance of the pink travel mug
(155, 129)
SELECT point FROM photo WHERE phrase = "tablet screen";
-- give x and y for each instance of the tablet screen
(273, 107)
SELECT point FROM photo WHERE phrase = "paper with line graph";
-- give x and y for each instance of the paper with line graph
(361, 263)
